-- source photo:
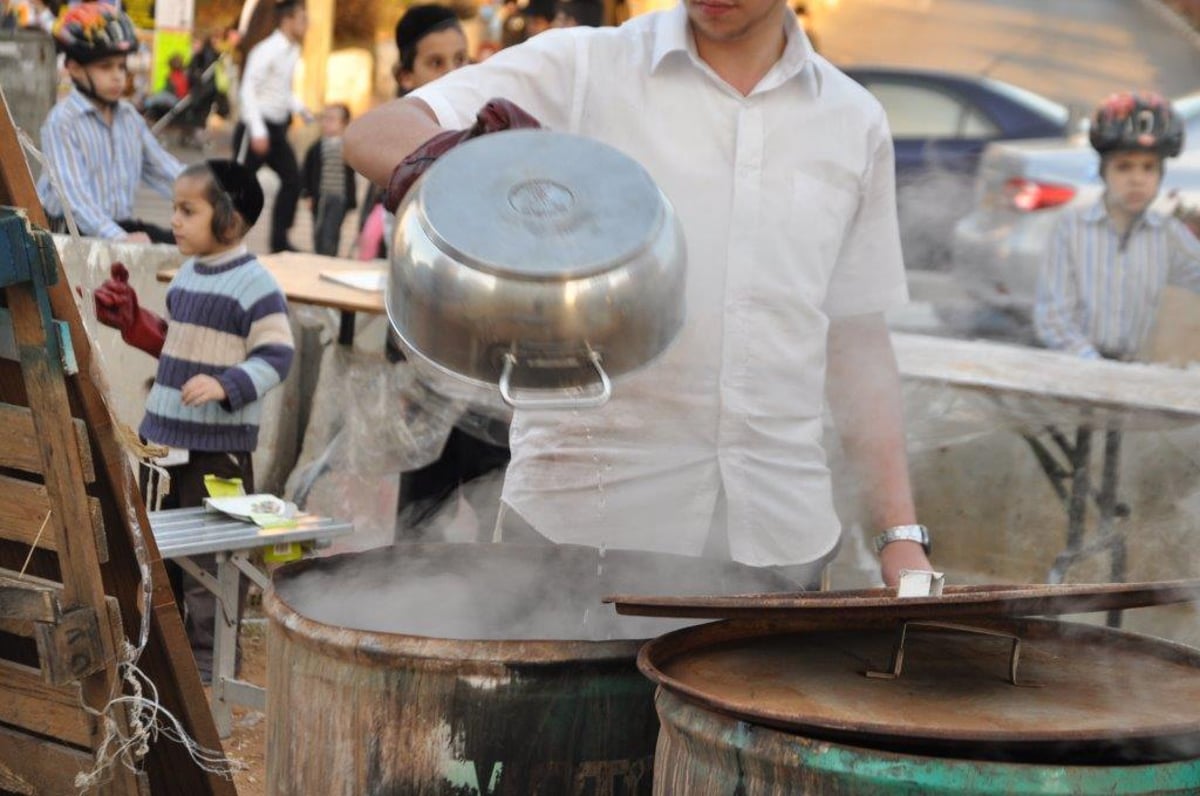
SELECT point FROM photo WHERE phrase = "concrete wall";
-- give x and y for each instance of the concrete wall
(28, 77)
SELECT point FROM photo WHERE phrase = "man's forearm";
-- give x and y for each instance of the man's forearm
(865, 397)
(376, 142)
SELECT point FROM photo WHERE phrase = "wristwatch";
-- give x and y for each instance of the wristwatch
(903, 533)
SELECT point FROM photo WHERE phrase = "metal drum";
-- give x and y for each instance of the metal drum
(453, 669)
(1008, 707)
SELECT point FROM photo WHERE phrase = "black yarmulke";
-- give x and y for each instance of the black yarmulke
(419, 20)
(242, 186)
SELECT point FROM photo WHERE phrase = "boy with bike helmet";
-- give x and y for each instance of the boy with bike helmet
(1109, 260)
(97, 144)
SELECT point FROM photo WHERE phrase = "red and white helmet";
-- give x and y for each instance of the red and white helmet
(1142, 122)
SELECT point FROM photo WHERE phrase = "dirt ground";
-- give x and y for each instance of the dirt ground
(247, 743)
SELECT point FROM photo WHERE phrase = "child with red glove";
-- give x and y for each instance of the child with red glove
(227, 343)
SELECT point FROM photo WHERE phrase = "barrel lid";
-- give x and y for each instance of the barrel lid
(539, 204)
(1086, 692)
(953, 602)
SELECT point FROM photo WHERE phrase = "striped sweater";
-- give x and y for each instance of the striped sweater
(228, 319)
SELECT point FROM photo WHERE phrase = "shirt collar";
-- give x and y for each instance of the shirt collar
(1098, 212)
(672, 34)
(79, 102)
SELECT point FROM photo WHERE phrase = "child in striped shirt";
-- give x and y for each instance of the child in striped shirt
(1108, 262)
(227, 343)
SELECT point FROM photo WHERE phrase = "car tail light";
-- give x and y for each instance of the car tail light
(1028, 195)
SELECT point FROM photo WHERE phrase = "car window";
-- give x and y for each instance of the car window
(922, 112)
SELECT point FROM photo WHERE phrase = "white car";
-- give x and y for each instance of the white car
(1021, 187)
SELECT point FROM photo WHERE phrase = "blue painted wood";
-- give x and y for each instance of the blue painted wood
(9, 350)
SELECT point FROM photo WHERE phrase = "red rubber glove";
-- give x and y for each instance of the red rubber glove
(496, 115)
(117, 306)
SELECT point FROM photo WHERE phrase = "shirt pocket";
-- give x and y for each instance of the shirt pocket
(824, 201)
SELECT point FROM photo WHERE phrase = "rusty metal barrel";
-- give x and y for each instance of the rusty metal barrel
(439, 669)
(772, 709)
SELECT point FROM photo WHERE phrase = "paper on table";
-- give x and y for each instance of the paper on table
(265, 511)
(371, 279)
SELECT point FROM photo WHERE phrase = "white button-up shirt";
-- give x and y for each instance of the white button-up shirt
(788, 207)
(266, 89)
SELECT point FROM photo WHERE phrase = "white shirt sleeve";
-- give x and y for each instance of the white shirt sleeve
(538, 75)
(254, 76)
(869, 274)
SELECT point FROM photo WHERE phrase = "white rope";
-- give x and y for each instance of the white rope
(148, 721)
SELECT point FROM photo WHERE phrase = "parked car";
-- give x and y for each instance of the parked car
(941, 122)
(1021, 189)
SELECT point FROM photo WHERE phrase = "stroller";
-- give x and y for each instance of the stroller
(189, 115)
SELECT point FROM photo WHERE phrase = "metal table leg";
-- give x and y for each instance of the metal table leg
(346, 328)
(1108, 509)
(224, 642)
(1079, 457)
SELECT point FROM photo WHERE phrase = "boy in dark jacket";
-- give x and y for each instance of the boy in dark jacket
(328, 181)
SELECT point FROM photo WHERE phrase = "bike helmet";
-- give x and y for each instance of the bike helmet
(90, 31)
(1143, 122)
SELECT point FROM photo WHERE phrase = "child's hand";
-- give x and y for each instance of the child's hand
(201, 389)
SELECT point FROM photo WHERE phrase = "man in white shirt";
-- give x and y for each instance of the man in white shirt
(267, 104)
(781, 170)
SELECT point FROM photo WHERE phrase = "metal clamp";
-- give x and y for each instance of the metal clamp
(898, 650)
(584, 401)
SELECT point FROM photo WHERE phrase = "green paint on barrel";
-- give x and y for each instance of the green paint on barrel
(703, 753)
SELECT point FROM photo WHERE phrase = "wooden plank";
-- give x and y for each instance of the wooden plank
(71, 648)
(29, 599)
(167, 659)
(30, 704)
(9, 350)
(18, 442)
(35, 766)
(23, 509)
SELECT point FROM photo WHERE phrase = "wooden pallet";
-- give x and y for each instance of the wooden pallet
(70, 583)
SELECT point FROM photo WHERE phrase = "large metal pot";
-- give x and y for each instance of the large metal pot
(532, 267)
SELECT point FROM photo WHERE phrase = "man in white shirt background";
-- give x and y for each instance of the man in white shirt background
(267, 104)
(781, 170)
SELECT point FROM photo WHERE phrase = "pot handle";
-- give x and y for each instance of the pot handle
(586, 401)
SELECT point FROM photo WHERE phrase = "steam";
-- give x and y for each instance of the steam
(504, 591)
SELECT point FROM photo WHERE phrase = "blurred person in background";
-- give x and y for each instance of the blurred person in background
(430, 42)
(210, 79)
(97, 144)
(1102, 280)
(716, 449)
(266, 106)
(571, 13)
(329, 184)
(530, 18)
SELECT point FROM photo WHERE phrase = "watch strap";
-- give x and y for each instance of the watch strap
(903, 533)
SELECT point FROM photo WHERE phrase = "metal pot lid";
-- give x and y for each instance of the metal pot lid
(1082, 693)
(954, 602)
(539, 205)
